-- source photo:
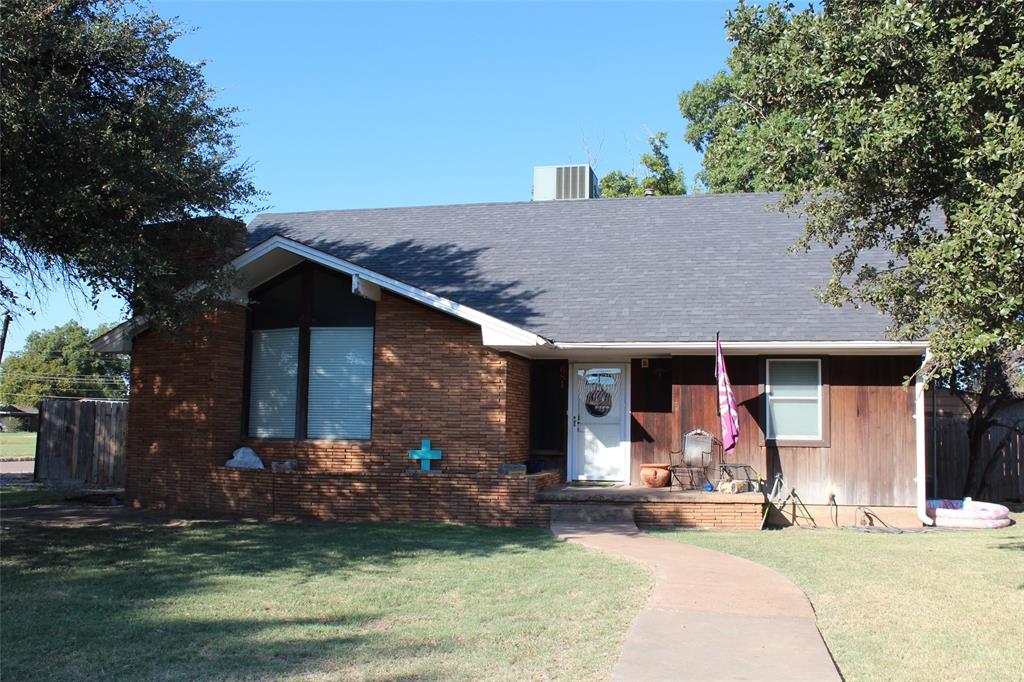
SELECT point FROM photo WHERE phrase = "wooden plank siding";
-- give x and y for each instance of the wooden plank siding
(870, 457)
(650, 398)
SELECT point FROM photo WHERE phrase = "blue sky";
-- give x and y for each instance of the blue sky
(349, 105)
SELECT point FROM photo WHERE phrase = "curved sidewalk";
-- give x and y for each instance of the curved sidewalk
(711, 616)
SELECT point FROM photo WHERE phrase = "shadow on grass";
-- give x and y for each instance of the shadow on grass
(127, 601)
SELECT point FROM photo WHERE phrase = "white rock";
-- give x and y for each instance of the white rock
(244, 458)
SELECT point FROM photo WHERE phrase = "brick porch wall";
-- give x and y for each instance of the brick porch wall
(432, 379)
(732, 516)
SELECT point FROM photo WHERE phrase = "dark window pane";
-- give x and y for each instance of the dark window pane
(334, 304)
(277, 305)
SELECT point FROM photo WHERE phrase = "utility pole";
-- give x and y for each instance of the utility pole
(3, 336)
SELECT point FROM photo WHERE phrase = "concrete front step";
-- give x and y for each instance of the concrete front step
(591, 513)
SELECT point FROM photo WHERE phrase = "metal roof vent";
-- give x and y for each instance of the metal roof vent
(564, 182)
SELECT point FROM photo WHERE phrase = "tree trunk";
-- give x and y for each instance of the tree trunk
(975, 467)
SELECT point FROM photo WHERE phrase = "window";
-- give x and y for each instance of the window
(794, 395)
(310, 357)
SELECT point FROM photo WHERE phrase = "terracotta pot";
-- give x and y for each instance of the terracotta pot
(654, 475)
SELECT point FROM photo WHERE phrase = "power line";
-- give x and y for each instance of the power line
(45, 374)
(66, 377)
(62, 397)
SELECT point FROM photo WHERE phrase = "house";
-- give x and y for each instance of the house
(575, 336)
(28, 417)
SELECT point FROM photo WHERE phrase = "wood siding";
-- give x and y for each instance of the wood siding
(651, 420)
(870, 459)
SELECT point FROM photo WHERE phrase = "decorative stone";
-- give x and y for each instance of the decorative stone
(654, 475)
(244, 458)
(284, 465)
(512, 469)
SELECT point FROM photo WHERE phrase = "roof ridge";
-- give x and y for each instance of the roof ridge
(486, 204)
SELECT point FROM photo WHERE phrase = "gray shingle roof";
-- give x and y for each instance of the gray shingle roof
(645, 269)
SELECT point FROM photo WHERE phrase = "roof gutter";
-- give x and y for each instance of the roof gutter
(754, 347)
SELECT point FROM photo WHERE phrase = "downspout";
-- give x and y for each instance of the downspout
(922, 472)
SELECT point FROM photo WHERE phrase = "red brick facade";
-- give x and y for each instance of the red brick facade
(731, 515)
(432, 379)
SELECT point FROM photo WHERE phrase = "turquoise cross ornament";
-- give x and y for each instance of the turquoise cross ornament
(425, 454)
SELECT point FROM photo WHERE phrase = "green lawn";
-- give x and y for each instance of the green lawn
(923, 606)
(27, 497)
(203, 600)
(21, 445)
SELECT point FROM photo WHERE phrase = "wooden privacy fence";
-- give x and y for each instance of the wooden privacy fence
(1005, 481)
(81, 440)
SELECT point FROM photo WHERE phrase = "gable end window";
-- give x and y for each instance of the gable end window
(310, 359)
(797, 401)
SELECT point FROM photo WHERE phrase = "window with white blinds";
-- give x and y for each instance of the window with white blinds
(311, 357)
(793, 388)
(340, 382)
(273, 383)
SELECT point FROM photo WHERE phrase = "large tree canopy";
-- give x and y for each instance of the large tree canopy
(894, 127)
(659, 177)
(107, 137)
(60, 363)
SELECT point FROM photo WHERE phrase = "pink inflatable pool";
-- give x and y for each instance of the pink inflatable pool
(967, 513)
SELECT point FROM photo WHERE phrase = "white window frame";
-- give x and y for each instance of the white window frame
(769, 422)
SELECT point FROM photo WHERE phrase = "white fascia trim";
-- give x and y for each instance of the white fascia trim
(495, 332)
(908, 347)
(119, 339)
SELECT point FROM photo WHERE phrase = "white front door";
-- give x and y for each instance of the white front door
(600, 448)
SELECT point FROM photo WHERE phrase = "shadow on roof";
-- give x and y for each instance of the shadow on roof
(443, 269)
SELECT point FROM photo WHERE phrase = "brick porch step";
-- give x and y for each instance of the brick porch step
(591, 513)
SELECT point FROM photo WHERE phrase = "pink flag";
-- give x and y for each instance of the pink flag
(726, 402)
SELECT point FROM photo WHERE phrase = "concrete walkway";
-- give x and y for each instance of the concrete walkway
(17, 466)
(711, 616)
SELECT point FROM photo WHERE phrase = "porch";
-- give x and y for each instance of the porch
(659, 506)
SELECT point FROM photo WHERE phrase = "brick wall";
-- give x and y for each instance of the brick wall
(432, 379)
(517, 409)
(185, 408)
(732, 515)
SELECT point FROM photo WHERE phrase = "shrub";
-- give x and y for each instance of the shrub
(12, 425)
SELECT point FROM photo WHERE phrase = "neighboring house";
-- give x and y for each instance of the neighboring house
(28, 416)
(576, 335)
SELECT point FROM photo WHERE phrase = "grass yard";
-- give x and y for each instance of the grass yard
(206, 600)
(27, 497)
(923, 606)
(21, 445)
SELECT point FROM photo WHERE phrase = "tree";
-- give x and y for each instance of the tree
(731, 139)
(875, 119)
(60, 363)
(987, 386)
(661, 178)
(895, 129)
(108, 139)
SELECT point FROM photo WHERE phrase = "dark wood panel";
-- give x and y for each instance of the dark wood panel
(549, 400)
(697, 397)
(650, 400)
(870, 458)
